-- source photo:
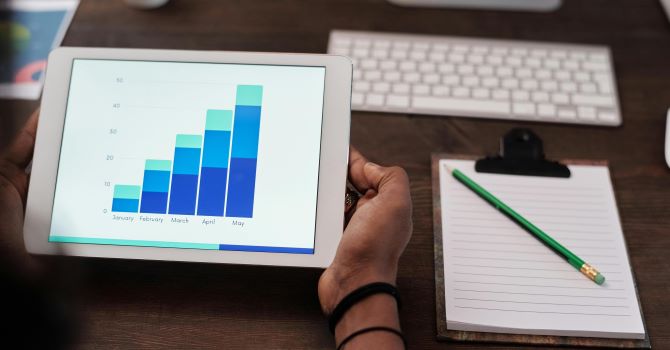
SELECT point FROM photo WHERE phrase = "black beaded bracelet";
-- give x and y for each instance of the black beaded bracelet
(357, 295)
(372, 329)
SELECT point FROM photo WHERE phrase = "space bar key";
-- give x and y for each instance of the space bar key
(461, 104)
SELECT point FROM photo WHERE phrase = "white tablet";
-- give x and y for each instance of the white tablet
(226, 157)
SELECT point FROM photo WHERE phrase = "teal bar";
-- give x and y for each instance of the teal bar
(219, 120)
(158, 165)
(159, 244)
(127, 191)
(189, 141)
(249, 95)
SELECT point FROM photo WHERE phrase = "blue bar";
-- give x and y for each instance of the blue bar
(241, 187)
(155, 191)
(244, 152)
(214, 173)
(251, 248)
(212, 191)
(184, 188)
(186, 161)
(125, 205)
(183, 193)
(246, 131)
(154, 202)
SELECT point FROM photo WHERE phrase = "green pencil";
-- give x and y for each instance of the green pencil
(579, 264)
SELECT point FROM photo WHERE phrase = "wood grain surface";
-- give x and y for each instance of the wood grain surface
(143, 305)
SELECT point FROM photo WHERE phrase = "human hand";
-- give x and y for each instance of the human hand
(376, 234)
(13, 193)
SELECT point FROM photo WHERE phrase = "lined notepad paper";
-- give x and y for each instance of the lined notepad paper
(499, 278)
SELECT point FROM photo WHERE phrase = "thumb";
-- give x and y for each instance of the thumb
(385, 179)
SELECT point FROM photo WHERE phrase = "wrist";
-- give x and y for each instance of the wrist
(374, 311)
(342, 281)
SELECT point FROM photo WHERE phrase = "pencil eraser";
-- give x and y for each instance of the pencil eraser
(600, 279)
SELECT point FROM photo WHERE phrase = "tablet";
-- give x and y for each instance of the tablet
(225, 157)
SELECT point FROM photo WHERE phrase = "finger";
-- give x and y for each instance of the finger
(391, 180)
(20, 152)
(356, 170)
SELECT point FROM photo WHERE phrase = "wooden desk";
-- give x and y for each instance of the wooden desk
(158, 305)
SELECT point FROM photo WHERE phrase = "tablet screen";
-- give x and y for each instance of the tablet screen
(190, 155)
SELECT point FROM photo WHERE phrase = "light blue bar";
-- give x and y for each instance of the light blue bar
(107, 241)
(249, 95)
(188, 141)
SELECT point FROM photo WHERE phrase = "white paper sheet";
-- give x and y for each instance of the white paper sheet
(500, 278)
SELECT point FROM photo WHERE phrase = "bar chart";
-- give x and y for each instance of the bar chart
(211, 174)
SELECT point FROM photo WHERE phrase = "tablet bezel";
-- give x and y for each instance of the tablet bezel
(332, 165)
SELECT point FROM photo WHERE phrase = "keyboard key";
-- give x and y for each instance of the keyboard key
(608, 116)
(451, 80)
(362, 86)
(418, 55)
(560, 98)
(494, 60)
(401, 101)
(501, 94)
(441, 91)
(567, 113)
(463, 105)
(372, 75)
(382, 87)
(368, 63)
(411, 77)
(504, 72)
(524, 73)
(421, 89)
(485, 70)
(379, 53)
(520, 95)
(437, 56)
(562, 75)
(388, 65)
(593, 100)
(401, 88)
(586, 113)
(588, 88)
(375, 100)
(465, 69)
(392, 77)
(540, 96)
(568, 86)
(510, 83)
(427, 67)
(582, 77)
(530, 84)
(546, 110)
(471, 81)
(399, 54)
(461, 92)
(446, 68)
(571, 65)
(595, 66)
(490, 82)
(549, 86)
(431, 78)
(481, 93)
(407, 66)
(456, 58)
(523, 109)
(357, 98)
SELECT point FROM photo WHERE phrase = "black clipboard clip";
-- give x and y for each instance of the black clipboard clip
(521, 153)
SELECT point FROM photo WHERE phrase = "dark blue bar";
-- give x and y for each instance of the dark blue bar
(124, 205)
(182, 194)
(154, 202)
(251, 248)
(212, 191)
(241, 187)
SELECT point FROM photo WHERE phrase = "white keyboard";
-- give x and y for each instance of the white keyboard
(514, 80)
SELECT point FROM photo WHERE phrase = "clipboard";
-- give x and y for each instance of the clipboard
(517, 146)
